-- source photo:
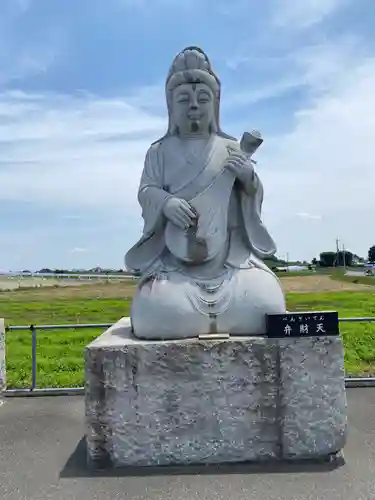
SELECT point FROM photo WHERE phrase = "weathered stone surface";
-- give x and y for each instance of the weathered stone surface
(207, 401)
(314, 398)
(2, 356)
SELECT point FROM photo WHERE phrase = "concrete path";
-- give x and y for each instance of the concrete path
(42, 457)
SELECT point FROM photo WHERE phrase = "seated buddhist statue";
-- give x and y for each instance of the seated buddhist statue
(200, 258)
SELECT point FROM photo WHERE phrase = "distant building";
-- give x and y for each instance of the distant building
(356, 260)
(96, 270)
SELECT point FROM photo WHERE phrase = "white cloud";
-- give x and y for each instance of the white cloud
(322, 66)
(325, 164)
(13, 9)
(305, 215)
(71, 217)
(263, 92)
(151, 7)
(302, 14)
(81, 151)
(21, 56)
(78, 250)
(150, 97)
(310, 68)
(319, 176)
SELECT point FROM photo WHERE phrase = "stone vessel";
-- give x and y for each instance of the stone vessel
(201, 254)
(212, 401)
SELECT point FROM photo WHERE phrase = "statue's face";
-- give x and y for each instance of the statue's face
(193, 108)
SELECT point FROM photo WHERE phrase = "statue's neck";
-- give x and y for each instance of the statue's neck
(189, 136)
(194, 145)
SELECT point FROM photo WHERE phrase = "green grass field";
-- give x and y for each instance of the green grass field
(60, 352)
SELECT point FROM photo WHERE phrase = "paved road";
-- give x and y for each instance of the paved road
(355, 273)
(42, 457)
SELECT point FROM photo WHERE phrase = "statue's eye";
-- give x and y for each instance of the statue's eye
(203, 97)
(183, 98)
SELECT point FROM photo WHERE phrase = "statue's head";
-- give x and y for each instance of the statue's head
(193, 95)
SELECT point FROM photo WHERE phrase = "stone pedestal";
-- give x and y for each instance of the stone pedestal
(212, 401)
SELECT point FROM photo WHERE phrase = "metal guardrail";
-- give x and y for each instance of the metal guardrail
(33, 329)
(34, 391)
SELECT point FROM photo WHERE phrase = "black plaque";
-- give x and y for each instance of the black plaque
(303, 324)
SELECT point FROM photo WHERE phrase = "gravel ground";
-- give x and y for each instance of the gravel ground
(320, 283)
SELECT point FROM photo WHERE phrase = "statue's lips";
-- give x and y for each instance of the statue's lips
(194, 117)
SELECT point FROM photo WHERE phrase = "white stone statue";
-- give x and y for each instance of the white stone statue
(200, 255)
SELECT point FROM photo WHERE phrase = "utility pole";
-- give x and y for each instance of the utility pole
(337, 261)
(337, 245)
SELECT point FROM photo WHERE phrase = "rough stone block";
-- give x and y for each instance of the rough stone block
(313, 396)
(212, 401)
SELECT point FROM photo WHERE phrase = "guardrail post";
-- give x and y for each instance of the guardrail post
(2, 357)
(33, 357)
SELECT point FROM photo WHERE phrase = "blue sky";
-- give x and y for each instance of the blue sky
(81, 99)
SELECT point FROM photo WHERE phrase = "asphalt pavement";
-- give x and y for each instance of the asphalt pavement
(357, 274)
(42, 457)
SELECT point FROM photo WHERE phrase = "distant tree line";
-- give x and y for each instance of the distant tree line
(371, 254)
(342, 258)
(336, 259)
(326, 259)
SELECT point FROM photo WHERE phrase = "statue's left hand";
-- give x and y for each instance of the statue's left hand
(240, 164)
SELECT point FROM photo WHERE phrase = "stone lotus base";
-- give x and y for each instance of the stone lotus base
(212, 401)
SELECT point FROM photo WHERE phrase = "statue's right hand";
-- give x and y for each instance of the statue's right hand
(179, 212)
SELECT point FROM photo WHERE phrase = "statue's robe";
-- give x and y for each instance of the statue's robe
(234, 209)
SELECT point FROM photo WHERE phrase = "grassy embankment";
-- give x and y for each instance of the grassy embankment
(60, 360)
(357, 280)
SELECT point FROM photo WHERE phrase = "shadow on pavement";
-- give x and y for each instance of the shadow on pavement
(77, 466)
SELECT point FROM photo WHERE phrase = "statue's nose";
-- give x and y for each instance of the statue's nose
(193, 103)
